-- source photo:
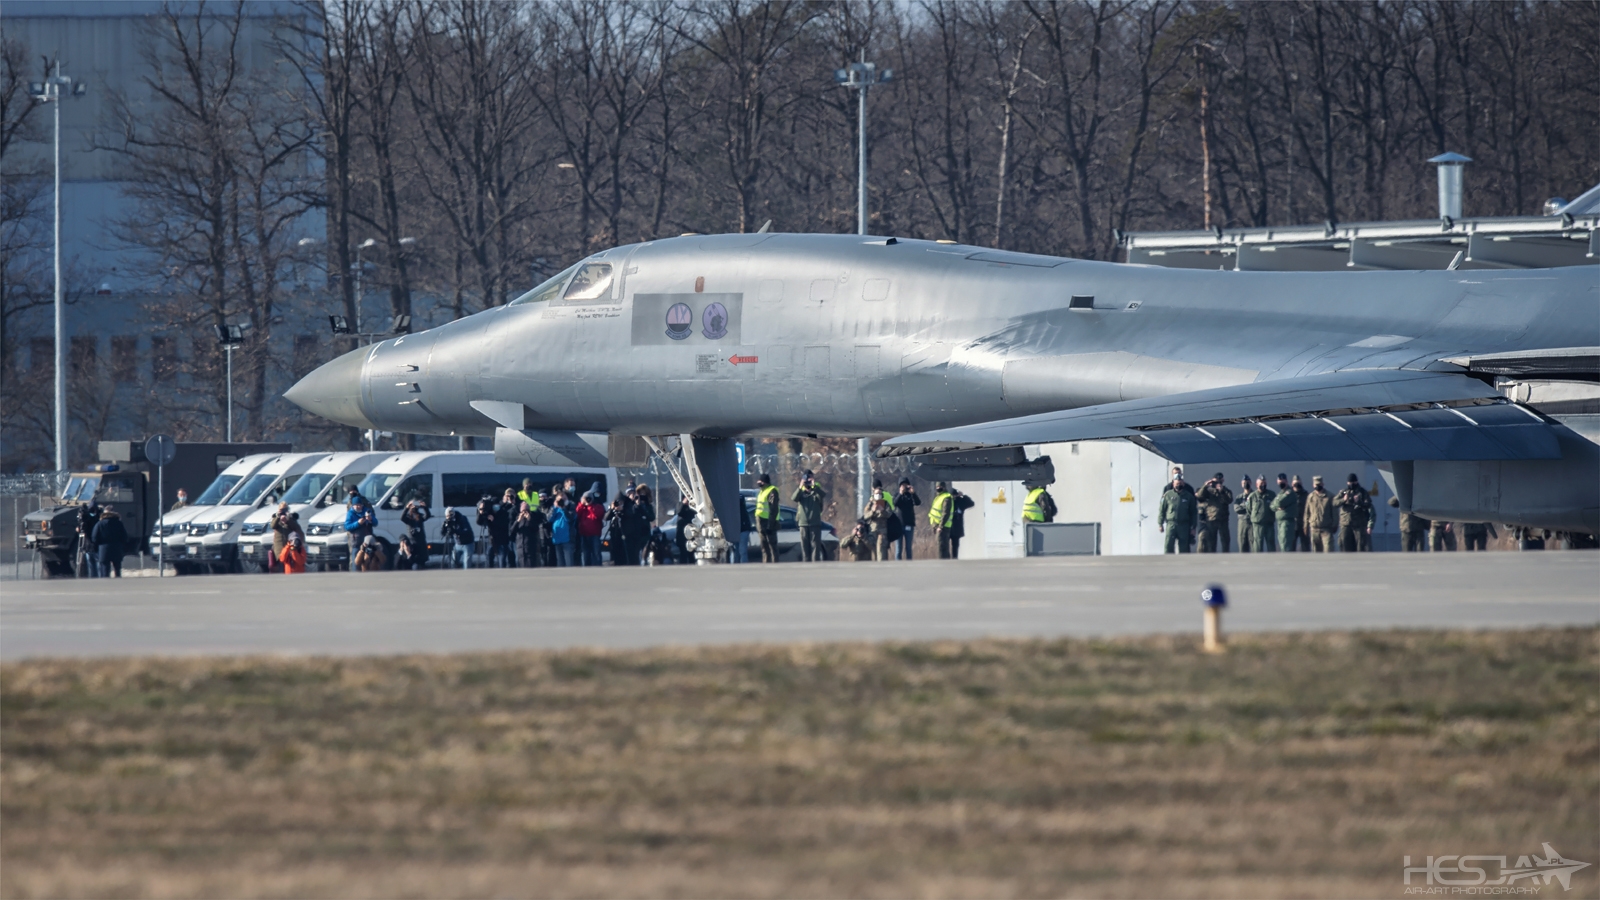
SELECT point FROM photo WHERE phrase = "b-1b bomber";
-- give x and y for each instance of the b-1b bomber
(964, 357)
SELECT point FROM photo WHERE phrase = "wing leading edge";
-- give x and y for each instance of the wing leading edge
(1385, 414)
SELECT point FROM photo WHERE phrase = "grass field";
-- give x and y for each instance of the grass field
(1295, 765)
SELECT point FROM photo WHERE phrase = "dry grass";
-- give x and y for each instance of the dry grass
(1296, 765)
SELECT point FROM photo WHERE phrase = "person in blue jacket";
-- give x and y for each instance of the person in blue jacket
(561, 530)
(358, 522)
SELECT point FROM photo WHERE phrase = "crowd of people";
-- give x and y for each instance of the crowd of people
(887, 527)
(1291, 518)
(566, 527)
(525, 529)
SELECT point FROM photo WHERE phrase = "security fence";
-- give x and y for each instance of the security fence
(20, 495)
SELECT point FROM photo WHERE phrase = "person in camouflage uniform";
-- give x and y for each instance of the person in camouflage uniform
(1242, 507)
(1355, 515)
(1177, 516)
(1413, 530)
(1302, 536)
(1262, 517)
(1216, 504)
(1320, 521)
(1287, 509)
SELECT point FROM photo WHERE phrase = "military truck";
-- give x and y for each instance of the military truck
(126, 481)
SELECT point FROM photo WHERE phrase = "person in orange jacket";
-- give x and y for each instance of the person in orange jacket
(294, 555)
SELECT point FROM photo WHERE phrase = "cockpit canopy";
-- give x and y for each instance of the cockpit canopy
(586, 282)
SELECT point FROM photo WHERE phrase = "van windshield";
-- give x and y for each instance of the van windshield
(218, 489)
(308, 487)
(254, 488)
(378, 484)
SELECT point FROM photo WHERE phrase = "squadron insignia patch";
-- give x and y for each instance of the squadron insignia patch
(680, 320)
(715, 320)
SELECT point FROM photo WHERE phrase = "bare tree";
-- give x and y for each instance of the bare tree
(745, 89)
(476, 156)
(218, 173)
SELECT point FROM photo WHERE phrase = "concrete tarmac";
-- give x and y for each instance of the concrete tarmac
(452, 611)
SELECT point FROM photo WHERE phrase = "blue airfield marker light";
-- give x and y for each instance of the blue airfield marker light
(1214, 598)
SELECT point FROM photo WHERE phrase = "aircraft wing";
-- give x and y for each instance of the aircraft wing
(1385, 414)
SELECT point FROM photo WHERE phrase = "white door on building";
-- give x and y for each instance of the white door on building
(1137, 479)
(1002, 518)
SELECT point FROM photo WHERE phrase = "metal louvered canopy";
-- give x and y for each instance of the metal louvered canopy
(1474, 432)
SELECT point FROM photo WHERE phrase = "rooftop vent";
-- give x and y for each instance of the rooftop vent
(1450, 169)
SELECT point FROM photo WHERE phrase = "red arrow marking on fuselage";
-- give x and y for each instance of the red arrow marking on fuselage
(736, 360)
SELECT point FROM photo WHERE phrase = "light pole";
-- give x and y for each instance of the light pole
(231, 337)
(360, 269)
(860, 77)
(49, 91)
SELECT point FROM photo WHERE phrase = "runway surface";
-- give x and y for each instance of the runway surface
(450, 611)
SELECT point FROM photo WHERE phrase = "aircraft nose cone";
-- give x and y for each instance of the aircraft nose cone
(333, 390)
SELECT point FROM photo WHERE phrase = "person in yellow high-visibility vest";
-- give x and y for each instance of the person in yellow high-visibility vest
(528, 495)
(942, 516)
(879, 493)
(767, 512)
(1040, 506)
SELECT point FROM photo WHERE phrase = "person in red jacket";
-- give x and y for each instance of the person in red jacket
(591, 522)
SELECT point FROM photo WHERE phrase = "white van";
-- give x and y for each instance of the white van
(173, 527)
(323, 485)
(443, 480)
(213, 541)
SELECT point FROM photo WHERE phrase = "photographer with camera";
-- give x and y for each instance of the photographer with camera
(293, 557)
(591, 522)
(369, 556)
(414, 517)
(808, 499)
(359, 521)
(283, 523)
(526, 533)
(563, 531)
(547, 528)
(458, 535)
(407, 556)
(641, 517)
(614, 536)
(1216, 504)
(88, 561)
(495, 520)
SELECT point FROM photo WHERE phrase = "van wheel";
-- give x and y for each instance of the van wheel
(389, 551)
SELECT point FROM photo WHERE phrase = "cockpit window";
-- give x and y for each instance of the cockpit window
(549, 290)
(592, 284)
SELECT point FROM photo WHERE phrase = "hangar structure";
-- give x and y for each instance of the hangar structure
(1569, 236)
